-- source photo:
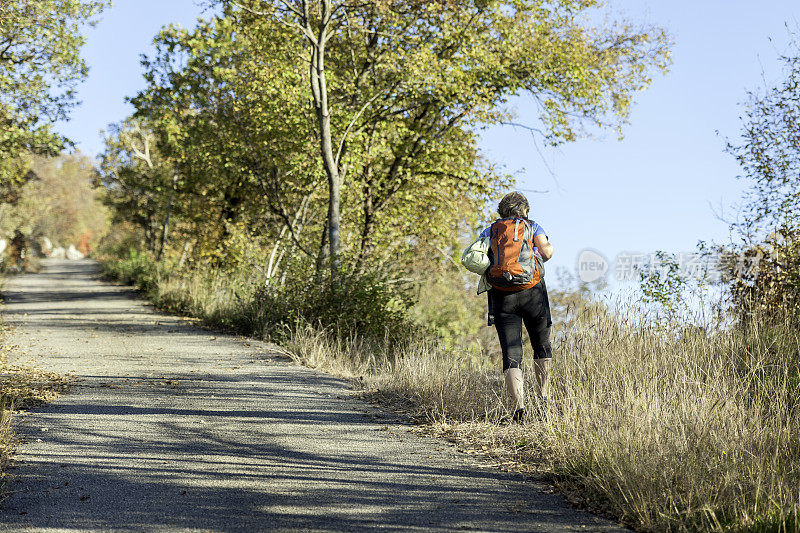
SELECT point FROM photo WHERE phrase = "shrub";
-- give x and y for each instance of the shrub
(364, 304)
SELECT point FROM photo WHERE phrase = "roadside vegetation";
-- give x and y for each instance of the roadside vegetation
(5, 440)
(21, 387)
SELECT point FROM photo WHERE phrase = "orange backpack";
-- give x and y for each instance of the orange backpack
(515, 265)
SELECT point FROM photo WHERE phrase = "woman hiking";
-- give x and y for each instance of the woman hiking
(517, 248)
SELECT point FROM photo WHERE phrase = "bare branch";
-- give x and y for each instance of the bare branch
(291, 7)
(354, 119)
(524, 126)
(140, 153)
(249, 9)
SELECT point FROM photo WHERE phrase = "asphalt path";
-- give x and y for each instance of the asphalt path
(176, 428)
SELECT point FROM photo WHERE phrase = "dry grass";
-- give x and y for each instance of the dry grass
(689, 432)
(5, 440)
(21, 388)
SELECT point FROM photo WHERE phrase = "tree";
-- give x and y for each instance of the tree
(407, 87)
(139, 182)
(40, 65)
(224, 110)
(59, 202)
(401, 76)
(233, 114)
(769, 154)
(765, 269)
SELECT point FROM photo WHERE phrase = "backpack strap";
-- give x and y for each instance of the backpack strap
(529, 224)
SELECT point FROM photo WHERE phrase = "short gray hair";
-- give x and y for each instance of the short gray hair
(513, 204)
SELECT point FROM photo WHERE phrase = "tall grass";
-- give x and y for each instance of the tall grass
(692, 430)
(5, 439)
(21, 388)
(5, 413)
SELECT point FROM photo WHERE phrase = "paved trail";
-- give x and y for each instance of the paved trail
(175, 428)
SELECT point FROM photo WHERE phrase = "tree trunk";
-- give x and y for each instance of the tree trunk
(323, 248)
(366, 230)
(152, 234)
(319, 91)
(184, 254)
(165, 232)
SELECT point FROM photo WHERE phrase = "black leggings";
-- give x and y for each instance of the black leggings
(510, 310)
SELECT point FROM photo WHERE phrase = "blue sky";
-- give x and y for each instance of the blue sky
(653, 190)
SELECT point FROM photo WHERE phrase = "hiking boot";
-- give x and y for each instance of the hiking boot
(518, 417)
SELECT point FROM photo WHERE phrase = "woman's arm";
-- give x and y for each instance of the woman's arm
(544, 246)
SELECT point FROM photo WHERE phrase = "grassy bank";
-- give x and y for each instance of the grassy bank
(692, 430)
(21, 387)
(5, 440)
